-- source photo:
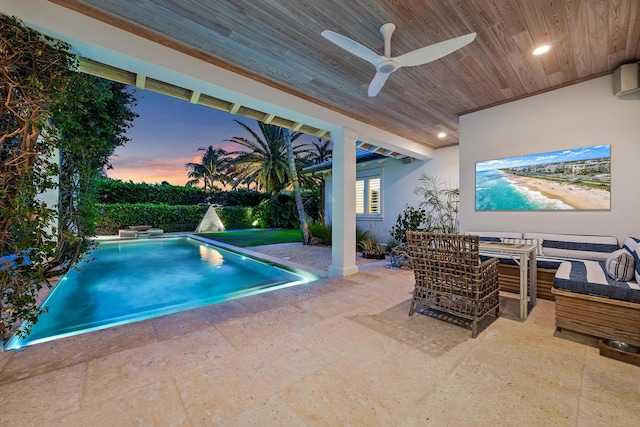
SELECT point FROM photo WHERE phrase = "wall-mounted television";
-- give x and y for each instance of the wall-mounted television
(572, 179)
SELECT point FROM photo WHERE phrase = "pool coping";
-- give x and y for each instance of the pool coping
(278, 262)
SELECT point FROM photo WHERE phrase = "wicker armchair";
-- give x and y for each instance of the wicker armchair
(451, 279)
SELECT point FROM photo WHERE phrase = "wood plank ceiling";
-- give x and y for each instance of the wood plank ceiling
(278, 42)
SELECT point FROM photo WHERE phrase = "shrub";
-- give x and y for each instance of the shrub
(170, 218)
(234, 217)
(238, 198)
(278, 213)
(410, 219)
(321, 231)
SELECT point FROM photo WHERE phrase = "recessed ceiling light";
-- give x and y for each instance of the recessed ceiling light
(541, 49)
(442, 135)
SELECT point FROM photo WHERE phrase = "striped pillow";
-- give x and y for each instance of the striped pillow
(620, 266)
(536, 242)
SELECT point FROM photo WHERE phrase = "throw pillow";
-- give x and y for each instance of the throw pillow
(632, 244)
(620, 265)
(536, 242)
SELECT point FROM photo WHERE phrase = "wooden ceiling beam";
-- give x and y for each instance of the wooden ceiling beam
(195, 97)
(234, 108)
(141, 81)
(268, 118)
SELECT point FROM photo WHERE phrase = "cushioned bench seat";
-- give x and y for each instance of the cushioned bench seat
(589, 299)
(591, 278)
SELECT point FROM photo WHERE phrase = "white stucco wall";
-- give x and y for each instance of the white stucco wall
(580, 115)
(398, 183)
(50, 197)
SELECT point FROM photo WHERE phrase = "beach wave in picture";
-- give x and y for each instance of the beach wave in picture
(494, 191)
(538, 198)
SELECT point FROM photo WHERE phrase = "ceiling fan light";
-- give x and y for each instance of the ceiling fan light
(541, 49)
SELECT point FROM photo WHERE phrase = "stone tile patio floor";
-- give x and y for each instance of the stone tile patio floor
(338, 351)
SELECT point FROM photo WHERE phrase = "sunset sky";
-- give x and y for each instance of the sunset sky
(168, 134)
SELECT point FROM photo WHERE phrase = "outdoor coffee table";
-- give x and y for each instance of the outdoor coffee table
(525, 256)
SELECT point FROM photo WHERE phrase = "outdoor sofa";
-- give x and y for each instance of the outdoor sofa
(594, 283)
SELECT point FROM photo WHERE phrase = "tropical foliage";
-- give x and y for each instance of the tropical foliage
(90, 122)
(410, 219)
(321, 231)
(34, 70)
(213, 168)
(320, 151)
(265, 158)
(437, 212)
(441, 204)
(48, 109)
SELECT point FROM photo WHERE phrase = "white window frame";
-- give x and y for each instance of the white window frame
(365, 177)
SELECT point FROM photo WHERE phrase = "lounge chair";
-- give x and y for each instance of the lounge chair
(450, 278)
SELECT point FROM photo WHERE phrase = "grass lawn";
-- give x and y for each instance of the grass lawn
(255, 237)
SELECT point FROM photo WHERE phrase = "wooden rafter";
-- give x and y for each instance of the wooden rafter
(195, 97)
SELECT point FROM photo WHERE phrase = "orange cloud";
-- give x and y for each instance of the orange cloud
(151, 171)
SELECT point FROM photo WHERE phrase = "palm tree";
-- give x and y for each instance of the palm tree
(293, 175)
(266, 161)
(273, 162)
(322, 152)
(213, 168)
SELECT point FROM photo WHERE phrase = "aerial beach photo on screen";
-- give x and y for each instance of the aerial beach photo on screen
(577, 178)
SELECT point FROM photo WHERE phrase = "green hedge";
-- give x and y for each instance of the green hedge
(118, 192)
(114, 217)
(236, 217)
(169, 218)
(282, 214)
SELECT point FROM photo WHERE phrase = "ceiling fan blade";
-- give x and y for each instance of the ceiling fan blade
(376, 84)
(350, 46)
(435, 51)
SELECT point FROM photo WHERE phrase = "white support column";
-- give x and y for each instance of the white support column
(343, 211)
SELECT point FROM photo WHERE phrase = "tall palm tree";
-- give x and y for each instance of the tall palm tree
(321, 151)
(293, 175)
(213, 168)
(266, 160)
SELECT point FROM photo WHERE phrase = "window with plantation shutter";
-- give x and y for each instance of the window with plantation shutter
(369, 195)
(359, 197)
(373, 205)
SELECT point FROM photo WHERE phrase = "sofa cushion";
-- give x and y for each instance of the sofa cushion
(536, 242)
(590, 278)
(632, 244)
(576, 245)
(620, 265)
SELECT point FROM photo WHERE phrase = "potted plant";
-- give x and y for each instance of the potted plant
(371, 249)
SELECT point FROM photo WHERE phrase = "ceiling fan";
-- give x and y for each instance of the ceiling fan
(386, 64)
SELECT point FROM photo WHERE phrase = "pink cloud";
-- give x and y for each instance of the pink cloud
(151, 170)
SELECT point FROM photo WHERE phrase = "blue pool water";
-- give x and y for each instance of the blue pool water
(128, 281)
(494, 191)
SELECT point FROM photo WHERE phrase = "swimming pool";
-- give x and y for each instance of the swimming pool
(127, 281)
